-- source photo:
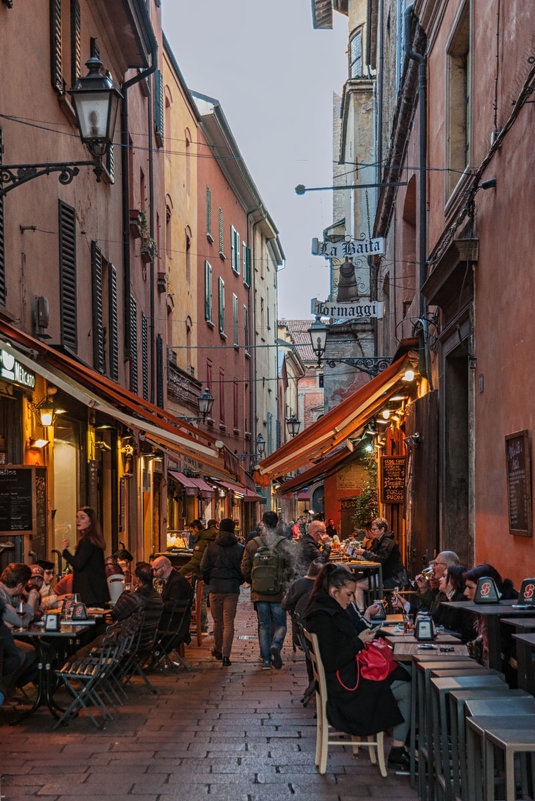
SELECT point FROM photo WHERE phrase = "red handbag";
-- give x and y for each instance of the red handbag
(375, 662)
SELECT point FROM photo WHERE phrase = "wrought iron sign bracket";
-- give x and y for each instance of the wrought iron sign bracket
(13, 175)
(373, 365)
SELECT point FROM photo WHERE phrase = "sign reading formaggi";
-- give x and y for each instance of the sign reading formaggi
(337, 310)
(12, 370)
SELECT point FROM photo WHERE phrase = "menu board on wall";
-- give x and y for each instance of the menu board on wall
(392, 479)
(16, 499)
(518, 464)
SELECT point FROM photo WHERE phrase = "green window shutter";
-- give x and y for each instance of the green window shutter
(221, 305)
(99, 356)
(235, 261)
(56, 55)
(208, 291)
(2, 239)
(113, 317)
(208, 211)
(246, 265)
(133, 345)
(246, 326)
(221, 238)
(76, 45)
(158, 107)
(145, 356)
(159, 371)
(233, 248)
(67, 276)
(235, 317)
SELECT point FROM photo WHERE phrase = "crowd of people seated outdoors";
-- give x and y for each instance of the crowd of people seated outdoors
(305, 581)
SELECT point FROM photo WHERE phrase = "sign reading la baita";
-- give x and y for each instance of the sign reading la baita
(337, 310)
(346, 250)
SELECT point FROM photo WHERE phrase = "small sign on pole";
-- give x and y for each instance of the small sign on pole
(334, 309)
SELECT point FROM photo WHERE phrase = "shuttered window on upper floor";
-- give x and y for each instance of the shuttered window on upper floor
(208, 306)
(209, 214)
(99, 353)
(246, 265)
(221, 235)
(133, 346)
(67, 276)
(159, 371)
(113, 322)
(158, 108)
(355, 55)
(221, 305)
(3, 292)
(65, 43)
(234, 250)
(145, 356)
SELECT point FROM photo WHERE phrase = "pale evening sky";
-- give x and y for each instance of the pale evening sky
(274, 76)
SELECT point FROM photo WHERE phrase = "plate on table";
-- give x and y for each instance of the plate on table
(96, 610)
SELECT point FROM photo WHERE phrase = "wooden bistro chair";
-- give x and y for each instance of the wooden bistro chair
(326, 735)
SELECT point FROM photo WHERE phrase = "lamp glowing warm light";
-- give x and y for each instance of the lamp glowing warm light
(369, 448)
(386, 413)
(38, 443)
(409, 375)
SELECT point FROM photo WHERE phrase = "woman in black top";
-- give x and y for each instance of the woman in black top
(371, 707)
(87, 562)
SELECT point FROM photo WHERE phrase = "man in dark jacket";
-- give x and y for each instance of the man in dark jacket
(220, 566)
(309, 546)
(384, 549)
(176, 588)
(271, 615)
(143, 598)
(201, 538)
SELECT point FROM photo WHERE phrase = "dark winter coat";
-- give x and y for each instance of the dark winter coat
(285, 549)
(310, 550)
(456, 620)
(298, 594)
(371, 708)
(200, 541)
(221, 564)
(386, 551)
(89, 573)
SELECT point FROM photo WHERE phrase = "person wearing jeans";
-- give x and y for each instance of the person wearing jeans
(220, 568)
(271, 616)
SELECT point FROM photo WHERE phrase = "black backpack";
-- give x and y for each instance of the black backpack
(267, 574)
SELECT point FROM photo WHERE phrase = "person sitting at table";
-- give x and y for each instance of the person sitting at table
(48, 573)
(64, 586)
(87, 562)
(12, 581)
(479, 647)
(454, 621)
(355, 705)
(124, 559)
(384, 549)
(32, 590)
(175, 588)
(429, 596)
(309, 545)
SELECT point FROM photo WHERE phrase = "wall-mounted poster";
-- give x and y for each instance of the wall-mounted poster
(518, 464)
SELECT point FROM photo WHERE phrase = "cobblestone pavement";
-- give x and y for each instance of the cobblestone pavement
(217, 733)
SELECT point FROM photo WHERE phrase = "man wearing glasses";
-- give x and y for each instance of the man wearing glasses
(429, 594)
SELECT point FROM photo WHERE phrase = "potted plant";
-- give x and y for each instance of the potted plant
(148, 248)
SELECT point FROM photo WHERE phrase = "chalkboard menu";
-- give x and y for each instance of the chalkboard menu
(16, 499)
(518, 463)
(392, 479)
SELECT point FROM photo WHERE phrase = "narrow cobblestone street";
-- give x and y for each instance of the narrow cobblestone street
(225, 733)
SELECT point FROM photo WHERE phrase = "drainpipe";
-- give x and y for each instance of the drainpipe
(125, 180)
(422, 205)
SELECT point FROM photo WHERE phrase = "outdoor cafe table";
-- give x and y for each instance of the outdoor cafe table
(525, 646)
(492, 614)
(46, 644)
(371, 570)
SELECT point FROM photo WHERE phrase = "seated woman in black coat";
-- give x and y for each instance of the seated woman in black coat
(372, 706)
(455, 621)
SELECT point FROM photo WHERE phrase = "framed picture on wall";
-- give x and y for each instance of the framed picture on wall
(518, 473)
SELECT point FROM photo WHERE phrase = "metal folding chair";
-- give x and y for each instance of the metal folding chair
(173, 631)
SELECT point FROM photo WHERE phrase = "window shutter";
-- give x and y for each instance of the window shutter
(113, 317)
(208, 291)
(67, 276)
(158, 107)
(99, 357)
(221, 304)
(76, 45)
(145, 356)
(159, 371)
(133, 345)
(221, 241)
(208, 211)
(246, 326)
(235, 315)
(56, 56)
(246, 265)
(2, 241)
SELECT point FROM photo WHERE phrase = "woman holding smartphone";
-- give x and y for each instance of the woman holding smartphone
(87, 562)
(373, 706)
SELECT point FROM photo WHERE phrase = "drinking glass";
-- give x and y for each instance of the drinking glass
(20, 612)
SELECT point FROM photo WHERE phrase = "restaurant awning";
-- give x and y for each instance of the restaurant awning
(247, 494)
(192, 485)
(318, 472)
(304, 495)
(336, 426)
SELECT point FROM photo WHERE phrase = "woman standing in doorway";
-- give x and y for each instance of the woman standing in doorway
(87, 562)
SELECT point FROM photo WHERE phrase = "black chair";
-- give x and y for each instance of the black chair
(172, 633)
(302, 642)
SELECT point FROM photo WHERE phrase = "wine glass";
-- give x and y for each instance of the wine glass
(20, 612)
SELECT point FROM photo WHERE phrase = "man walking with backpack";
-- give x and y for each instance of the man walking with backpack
(266, 565)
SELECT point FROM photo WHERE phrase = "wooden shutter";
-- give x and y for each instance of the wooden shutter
(208, 291)
(235, 318)
(67, 276)
(221, 305)
(145, 356)
(113, 318)
(56, 55)
(133, 345)
(158, 107)
(76, 45)
(99, 356)
(2, 241)
(208, 211)
(159, 371)
(221, 241)
(246, 265)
